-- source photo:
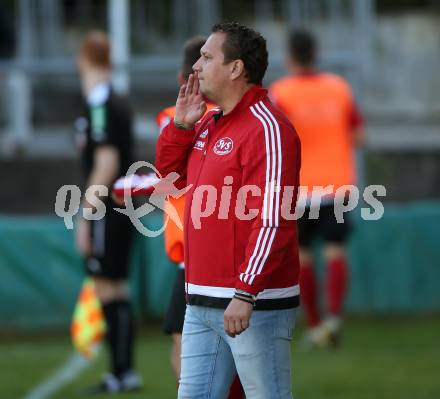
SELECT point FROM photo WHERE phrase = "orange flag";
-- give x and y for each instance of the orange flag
(88, 323)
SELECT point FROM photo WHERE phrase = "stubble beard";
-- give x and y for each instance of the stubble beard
(207, 94)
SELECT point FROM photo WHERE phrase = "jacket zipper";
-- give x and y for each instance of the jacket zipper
(188, 215)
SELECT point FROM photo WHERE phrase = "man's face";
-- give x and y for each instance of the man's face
(214, 74)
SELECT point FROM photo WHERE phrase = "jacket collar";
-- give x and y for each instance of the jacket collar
(253, 95)
(99, 94)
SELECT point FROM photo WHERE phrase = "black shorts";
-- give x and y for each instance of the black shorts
(175, 315)
(111, 244)
(325, 227)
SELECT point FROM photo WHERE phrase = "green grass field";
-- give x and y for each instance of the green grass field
(381, 358)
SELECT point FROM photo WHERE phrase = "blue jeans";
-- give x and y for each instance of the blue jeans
(260, 355)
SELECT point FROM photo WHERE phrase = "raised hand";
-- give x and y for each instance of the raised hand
(190, 106)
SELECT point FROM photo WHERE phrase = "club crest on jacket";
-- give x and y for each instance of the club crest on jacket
(223, 146)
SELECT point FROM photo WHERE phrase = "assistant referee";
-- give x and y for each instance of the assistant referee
(105, 139)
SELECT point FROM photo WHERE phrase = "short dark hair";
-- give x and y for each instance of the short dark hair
(243, 43)
(95, 47)
(303, 47)
(191, 53)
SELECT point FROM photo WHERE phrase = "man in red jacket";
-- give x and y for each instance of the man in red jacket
(241, 163)
(173, 235)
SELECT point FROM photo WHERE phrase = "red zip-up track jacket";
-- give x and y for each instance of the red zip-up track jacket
(242, 157)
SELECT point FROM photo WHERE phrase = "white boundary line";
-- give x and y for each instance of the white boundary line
(74, 364)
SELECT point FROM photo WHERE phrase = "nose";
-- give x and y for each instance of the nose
(196, 67)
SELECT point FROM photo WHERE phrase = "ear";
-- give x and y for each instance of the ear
(180, 79)
(237, 69)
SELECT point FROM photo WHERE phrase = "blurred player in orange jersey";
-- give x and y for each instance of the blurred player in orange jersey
(323, 111)
(173, 235)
